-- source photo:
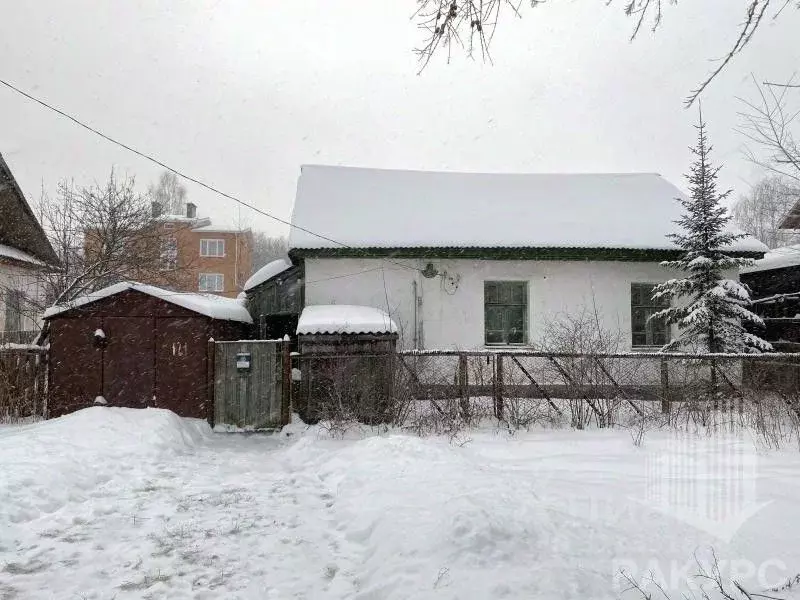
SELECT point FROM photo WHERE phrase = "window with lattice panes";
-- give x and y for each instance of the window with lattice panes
(645, 331)
(505, 306)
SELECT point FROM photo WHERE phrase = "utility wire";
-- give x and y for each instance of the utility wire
(164, 165)
(184, 175)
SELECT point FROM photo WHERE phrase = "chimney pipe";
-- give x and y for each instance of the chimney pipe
(191, 210)
(155, 209)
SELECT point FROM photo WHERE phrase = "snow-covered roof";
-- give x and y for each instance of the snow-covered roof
(377, 208)
(216, 307)
(19, 255)
(213, 229)
(268, 271)
(344, 318)
(778, 258)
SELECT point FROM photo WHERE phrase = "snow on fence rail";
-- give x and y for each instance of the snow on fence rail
(511, 383)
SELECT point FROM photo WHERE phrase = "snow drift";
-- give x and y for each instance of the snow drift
(66, 458)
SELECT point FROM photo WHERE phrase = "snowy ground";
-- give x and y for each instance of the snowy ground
(115, 503)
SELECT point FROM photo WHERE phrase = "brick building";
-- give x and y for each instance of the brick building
(199, 257)
(192, 254)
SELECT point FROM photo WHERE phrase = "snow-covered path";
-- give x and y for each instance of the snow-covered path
(110, 503)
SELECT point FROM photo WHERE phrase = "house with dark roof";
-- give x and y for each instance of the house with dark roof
(774, 282)
(468, 260)
(24, 251)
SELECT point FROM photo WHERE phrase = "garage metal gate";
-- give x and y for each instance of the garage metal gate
(252, 384)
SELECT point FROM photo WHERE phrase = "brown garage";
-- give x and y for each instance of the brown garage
(136, 345)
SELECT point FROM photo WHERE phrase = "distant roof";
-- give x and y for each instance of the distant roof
(19, 227)
(216, 307)
(778, 258)
(378, 208)
(267, 272)
(212, 229)
(344, 318)
(792, 218)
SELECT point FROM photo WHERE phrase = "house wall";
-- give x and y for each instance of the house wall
(184, 273)
(17, 277)
(451, 310)
(235, 266)
(774, 281)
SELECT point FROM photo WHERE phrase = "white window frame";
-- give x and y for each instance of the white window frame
(219, 279)
(219, 245)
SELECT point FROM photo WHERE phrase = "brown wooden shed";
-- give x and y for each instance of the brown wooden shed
(137, 345)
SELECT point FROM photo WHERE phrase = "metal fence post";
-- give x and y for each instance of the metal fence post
(210, 381)
(286, 381)
(463, 386)
(498, 399)
(665, 400)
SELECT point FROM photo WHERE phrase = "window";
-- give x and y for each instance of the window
(505, 312)
(212, 247)
(647, 331)
(212, 282)
(169, 254)
(14, 300)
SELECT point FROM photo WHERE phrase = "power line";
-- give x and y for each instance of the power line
(199, 182)
(164, 165)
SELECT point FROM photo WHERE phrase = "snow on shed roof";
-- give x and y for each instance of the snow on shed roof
(778, 258)
(378, 208)
(268, 271)
(344, 318)
(216, 307)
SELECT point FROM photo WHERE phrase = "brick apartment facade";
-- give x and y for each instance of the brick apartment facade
(195, 256)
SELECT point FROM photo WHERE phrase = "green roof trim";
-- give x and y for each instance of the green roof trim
(597, 254)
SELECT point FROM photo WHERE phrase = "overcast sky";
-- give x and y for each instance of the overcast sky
(241, 93)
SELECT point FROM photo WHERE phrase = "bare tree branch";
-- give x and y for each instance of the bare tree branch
(472, 25)
(771, 124)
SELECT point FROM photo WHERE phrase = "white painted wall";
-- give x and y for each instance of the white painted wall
(451, 312)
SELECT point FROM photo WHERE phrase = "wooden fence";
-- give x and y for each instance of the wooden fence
(23, 383)
(252, 384)
(630, 377)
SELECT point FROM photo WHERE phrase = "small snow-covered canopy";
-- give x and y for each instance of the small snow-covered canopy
(786, 256)
(378, 209)
(216, 307)
(268, 271)
(344, 318)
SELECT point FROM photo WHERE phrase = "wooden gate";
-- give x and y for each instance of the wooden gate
(252, 383)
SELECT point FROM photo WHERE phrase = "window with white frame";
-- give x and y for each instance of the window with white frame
(212, 282)
(212, 247)
(505, 305)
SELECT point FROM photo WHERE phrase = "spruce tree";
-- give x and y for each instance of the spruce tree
(711, 311)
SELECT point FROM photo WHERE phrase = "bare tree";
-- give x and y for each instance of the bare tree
(472, 24)
(170, 194)
(762, 209)
(266, 249)
(772, 123)
(102, 234)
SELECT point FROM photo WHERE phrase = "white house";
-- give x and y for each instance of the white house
(463, 260)
(24, 251)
